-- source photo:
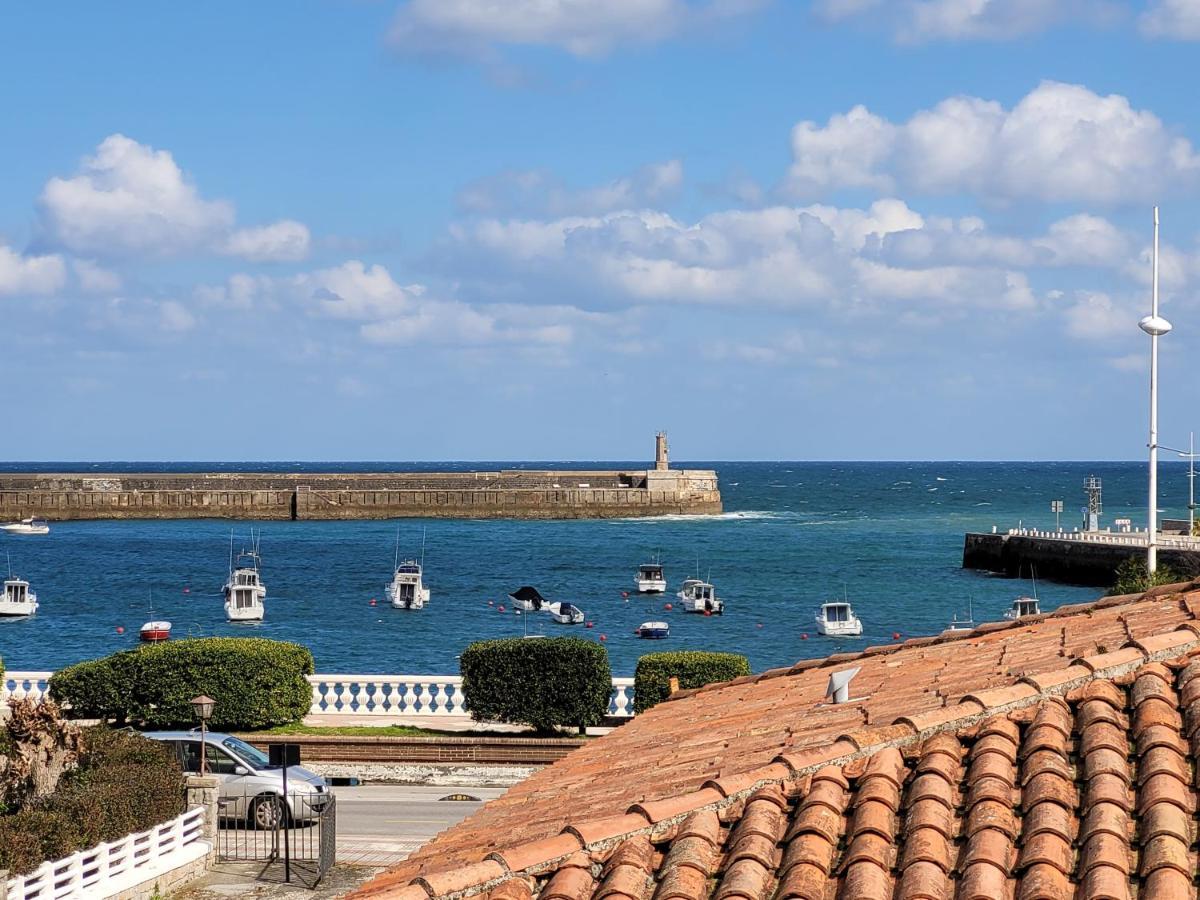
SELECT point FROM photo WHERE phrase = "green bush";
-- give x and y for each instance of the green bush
(256, 683)
(1133, 578)
(693, 668)
(124, 783)
(543, 682)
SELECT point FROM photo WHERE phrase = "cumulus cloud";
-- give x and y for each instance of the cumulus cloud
(1061, 142)
(130, 199)
(584, 28)
(145, 318)
(1172, 19)
(95, 279)
(1096, 316)
(21, 274)
(540, 192)
(915, 21)
(383, 311)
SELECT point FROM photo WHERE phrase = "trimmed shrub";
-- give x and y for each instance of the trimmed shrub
(543, 682)
(256, 683)
(124, 783)
(693, 668)
(1132, 577)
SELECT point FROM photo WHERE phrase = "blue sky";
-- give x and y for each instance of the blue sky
(462, 229)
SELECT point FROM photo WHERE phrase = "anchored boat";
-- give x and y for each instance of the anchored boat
(837, 619)
(653, 630)
(528, 599)
(1023, 606)
(18, 599)
(27, 526)
(650, 578)
(700, 597)
(565, 613)
(407, 590)
(244, 591)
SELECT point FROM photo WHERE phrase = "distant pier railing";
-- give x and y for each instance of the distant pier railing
(1113, 538)
(433, 696)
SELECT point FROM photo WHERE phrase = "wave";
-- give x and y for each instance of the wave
(983, 503)
(940, 478)
(750, 514)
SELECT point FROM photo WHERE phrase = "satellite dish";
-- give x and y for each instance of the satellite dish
(839, 685)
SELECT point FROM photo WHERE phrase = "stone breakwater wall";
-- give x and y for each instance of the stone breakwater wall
(516, 494)
(1068, 561)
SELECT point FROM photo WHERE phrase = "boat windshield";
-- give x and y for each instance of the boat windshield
(837, 612)
(650, 572)
(243, 598)
(408, 569)
(250, 754)
(15, 592)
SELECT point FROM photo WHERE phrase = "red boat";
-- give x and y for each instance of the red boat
(155, 631)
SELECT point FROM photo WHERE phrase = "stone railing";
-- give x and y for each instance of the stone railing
(1115, 538)
(111, 869)
(416, 695)
(357, 695)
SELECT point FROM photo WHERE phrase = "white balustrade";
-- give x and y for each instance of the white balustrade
(415, 695)
(109, 869)
(25, 686)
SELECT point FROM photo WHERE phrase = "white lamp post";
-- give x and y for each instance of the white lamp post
(1155, 326)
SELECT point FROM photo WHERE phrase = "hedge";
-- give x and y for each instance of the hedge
(693, 668)
(256, 683)
(543, 682)
(125, 783)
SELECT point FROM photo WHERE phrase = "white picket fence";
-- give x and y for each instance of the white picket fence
(359, 695)
(108, 869)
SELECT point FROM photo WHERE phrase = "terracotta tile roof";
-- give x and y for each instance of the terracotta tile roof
(1046, 758)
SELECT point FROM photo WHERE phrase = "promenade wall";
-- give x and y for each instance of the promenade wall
(517, 494)
(1073, 561)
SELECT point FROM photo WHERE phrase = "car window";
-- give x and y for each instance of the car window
(220, 762)
(250, 753)
(189, 755)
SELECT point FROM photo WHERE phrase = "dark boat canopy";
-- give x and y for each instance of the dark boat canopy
(530, 595)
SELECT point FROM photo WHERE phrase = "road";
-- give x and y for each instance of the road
(380, 824)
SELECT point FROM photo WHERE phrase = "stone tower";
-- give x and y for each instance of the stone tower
(661, 462)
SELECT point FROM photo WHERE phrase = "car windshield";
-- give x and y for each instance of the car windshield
(251, 754)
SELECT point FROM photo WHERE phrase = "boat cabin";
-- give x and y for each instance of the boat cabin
(650, 573)
(16, 591)
(1025, 606)
(836, 612)
(243, 596)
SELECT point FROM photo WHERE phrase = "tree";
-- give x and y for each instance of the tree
(41, 747)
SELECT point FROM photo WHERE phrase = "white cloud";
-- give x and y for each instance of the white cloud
(144, 318)
(914, 21)
(129, 199)
(283, 241)
(539, 192)
(584, 28)
(21, 274)
(1172, 19)
(1095, 316)
(95, 279)
(1061, 142)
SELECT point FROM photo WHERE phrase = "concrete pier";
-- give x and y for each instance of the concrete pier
(517, 494)
(1074, 557)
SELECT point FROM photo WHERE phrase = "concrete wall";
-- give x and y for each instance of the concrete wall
(478, 495)
(1072, 562)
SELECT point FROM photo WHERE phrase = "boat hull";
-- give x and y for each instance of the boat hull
(154, 635)
(246, 614)
(26, 529)
(14, 610)
(839, 629)
(651, 587)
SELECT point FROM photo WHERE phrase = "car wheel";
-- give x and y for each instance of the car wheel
(266, 812)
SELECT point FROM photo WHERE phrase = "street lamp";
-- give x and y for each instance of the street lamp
(1190, 455)
(1155, 326)
(202, 707)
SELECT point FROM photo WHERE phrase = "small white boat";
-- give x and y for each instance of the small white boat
(650, 579)
(407, 590)
(565, 613)
(244, 591)
(18, 599)
(653, 630)
(967, 624)
(1023, 606)
(700, 597)
(837, 619)
(528, 599)
(27, 526)
(154, 631)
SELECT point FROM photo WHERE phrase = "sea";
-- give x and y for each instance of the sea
(888, 536)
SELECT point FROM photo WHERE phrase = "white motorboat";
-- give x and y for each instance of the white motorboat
(653, 630)
(18, 599)
(155, 630)
(650, 579)
(528, 599)
(407, 590)
(27, 526)
(1022, 607)
(700, 597)
(837, 619)
(967, 624)
(245, 591)
(565, 613)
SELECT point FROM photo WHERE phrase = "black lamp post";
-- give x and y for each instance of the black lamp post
(202, 707)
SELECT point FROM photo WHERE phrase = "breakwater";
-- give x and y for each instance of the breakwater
(517, 494)
(1073, 558)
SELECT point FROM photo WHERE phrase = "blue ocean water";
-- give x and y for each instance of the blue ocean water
(888, 535)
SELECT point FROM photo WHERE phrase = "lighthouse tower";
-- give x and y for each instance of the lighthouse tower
(661, 460)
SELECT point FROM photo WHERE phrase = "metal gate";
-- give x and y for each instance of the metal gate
(296, 842)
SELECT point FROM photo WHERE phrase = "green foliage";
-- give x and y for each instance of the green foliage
(693, 668)
(1132, 577)
(124, 783)
(256, 683)
(543, 682)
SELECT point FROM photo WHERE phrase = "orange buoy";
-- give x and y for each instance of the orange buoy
(373, 601)
(625, 594)
(804, 637)
(501, 608)
(120, 629)
(604, 637)
(187, 590)
(668, 606)
(708, 612)
(895, 635)
(590, 625)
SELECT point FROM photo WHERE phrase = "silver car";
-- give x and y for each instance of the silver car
(251, 788)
